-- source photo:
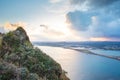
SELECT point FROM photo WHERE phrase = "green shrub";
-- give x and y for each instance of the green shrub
(23, 73)
(33, 76)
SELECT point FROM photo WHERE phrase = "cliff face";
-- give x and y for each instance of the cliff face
(20, 60)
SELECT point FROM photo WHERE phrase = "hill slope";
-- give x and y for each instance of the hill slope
(20, 60)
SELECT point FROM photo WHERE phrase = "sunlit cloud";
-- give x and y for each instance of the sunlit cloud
(99, 39)
(104, 39)
(45, 33)
(51, 32)
(9, 26)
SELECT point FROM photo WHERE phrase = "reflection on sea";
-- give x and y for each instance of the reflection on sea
(82, 66)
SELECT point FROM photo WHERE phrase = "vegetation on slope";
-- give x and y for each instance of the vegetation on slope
(19, 60)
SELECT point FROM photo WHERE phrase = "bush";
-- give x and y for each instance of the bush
(33, 76)
(23, 73)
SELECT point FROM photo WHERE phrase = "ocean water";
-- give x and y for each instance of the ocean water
(106, 52)
(88, 45)
(81, 66)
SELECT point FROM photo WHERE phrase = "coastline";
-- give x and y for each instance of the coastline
(85, 66)
(86, 51)
(90, 52)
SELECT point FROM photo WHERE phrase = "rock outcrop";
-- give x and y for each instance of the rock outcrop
(20, 60)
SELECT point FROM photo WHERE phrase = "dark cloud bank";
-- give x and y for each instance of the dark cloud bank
(102, 18)
(95, 3)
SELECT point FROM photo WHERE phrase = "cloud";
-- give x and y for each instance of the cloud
(45, 33)
(101, 6)
(79, 20)
(55, 1)
(95, 24)
(56, 35)
(58, 7)
(9, 26)
(50, 32)
(93, 3)
(99, 39)
(105, 26)
(114, 9)
(44, 26)
(99, 21)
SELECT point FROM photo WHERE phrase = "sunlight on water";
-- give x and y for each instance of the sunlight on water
(82, 66)
(63, 56)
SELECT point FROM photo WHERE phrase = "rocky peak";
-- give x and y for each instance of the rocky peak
(20, 32)
(13, 39)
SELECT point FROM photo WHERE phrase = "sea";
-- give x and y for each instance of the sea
(80, 65)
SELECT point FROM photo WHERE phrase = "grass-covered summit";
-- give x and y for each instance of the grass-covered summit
(20, 60)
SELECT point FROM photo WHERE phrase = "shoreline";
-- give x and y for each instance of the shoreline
(92, 53)
(89, 52)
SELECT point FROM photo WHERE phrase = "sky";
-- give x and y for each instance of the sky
(63, 20)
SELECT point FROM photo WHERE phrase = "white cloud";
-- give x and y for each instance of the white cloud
(45, 33)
